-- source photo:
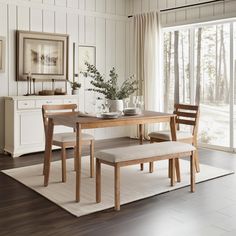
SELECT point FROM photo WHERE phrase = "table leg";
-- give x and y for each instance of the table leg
(173, 128)
(174, 138)
(78, 161)
(140, 130)
(48, 151)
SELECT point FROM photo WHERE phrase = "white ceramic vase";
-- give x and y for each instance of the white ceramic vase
(75, 92)
(115, 105)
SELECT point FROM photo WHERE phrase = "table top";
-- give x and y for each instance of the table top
(72, 119)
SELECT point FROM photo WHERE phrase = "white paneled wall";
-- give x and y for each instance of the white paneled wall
(100, 23)
(214, 11)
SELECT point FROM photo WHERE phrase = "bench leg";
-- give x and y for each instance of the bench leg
(98, 181)
(192, 172)
(177, 167)
(117, 187)
(172, 174)
(169, 168)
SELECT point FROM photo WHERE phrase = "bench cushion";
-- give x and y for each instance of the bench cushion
(166, 135)
(136, 152)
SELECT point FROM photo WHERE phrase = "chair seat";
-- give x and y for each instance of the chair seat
(70, 137)
(166, 135)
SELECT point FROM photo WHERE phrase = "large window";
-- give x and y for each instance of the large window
(197, 70)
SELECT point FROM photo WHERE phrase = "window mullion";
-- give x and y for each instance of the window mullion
(231, 85)
(191, 65)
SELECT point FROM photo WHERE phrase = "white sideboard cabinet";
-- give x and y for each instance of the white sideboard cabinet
(24, 132)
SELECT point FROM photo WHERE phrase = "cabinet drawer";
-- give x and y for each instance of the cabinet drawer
(39, 103)
(70, 101)
(25, 104)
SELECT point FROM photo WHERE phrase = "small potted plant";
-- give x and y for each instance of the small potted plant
(75, 87)
(109, 88)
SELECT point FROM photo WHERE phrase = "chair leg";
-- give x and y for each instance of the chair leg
(196, 159)
(141, 166)
(92, 159)
(151, 164)
(98, 181)
(151, 167)
(44, 169)
(75, 159)
(117, 187)
(177, 168)
(140, 132)
(192, 172)
(63, 162)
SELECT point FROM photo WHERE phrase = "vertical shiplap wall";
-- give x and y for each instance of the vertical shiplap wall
(208, 12)
(100, 23)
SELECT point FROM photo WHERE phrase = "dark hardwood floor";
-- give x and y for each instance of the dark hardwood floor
(210, 211)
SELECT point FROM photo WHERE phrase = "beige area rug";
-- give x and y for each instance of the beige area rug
(135, 184)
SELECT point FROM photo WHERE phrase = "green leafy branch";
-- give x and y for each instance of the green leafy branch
(75, 85)
(110, 88)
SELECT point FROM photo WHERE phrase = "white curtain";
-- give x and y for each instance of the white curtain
(147, 58)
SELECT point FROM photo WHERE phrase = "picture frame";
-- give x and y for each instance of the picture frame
(43, 56)
(2, 54)
(86, 54)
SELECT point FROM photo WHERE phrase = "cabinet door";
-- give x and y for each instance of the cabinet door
(31, 128)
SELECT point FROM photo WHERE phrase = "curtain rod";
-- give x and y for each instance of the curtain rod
(187, 6)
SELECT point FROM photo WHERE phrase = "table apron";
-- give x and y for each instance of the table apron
(113, 123)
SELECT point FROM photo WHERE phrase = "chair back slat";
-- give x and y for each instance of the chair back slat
(48, 108)
(187, 115)
(63, 109)
(185, 122)
(60, 113)
(186, 107)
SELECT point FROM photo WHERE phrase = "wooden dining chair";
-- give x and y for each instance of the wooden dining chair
(68, 139)
(185, 115)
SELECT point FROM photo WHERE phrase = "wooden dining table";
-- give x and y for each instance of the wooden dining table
(77, 122)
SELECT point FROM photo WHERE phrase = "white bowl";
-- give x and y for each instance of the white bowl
(132, 111)
(110, 115)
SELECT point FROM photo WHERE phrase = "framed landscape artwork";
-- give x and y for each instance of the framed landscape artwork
(2, 54)
(86, 54)
(43, 55)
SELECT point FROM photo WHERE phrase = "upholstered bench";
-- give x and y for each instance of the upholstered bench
(132, 155)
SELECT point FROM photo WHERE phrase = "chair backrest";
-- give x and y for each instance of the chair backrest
(56, 110)
(187, 115)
